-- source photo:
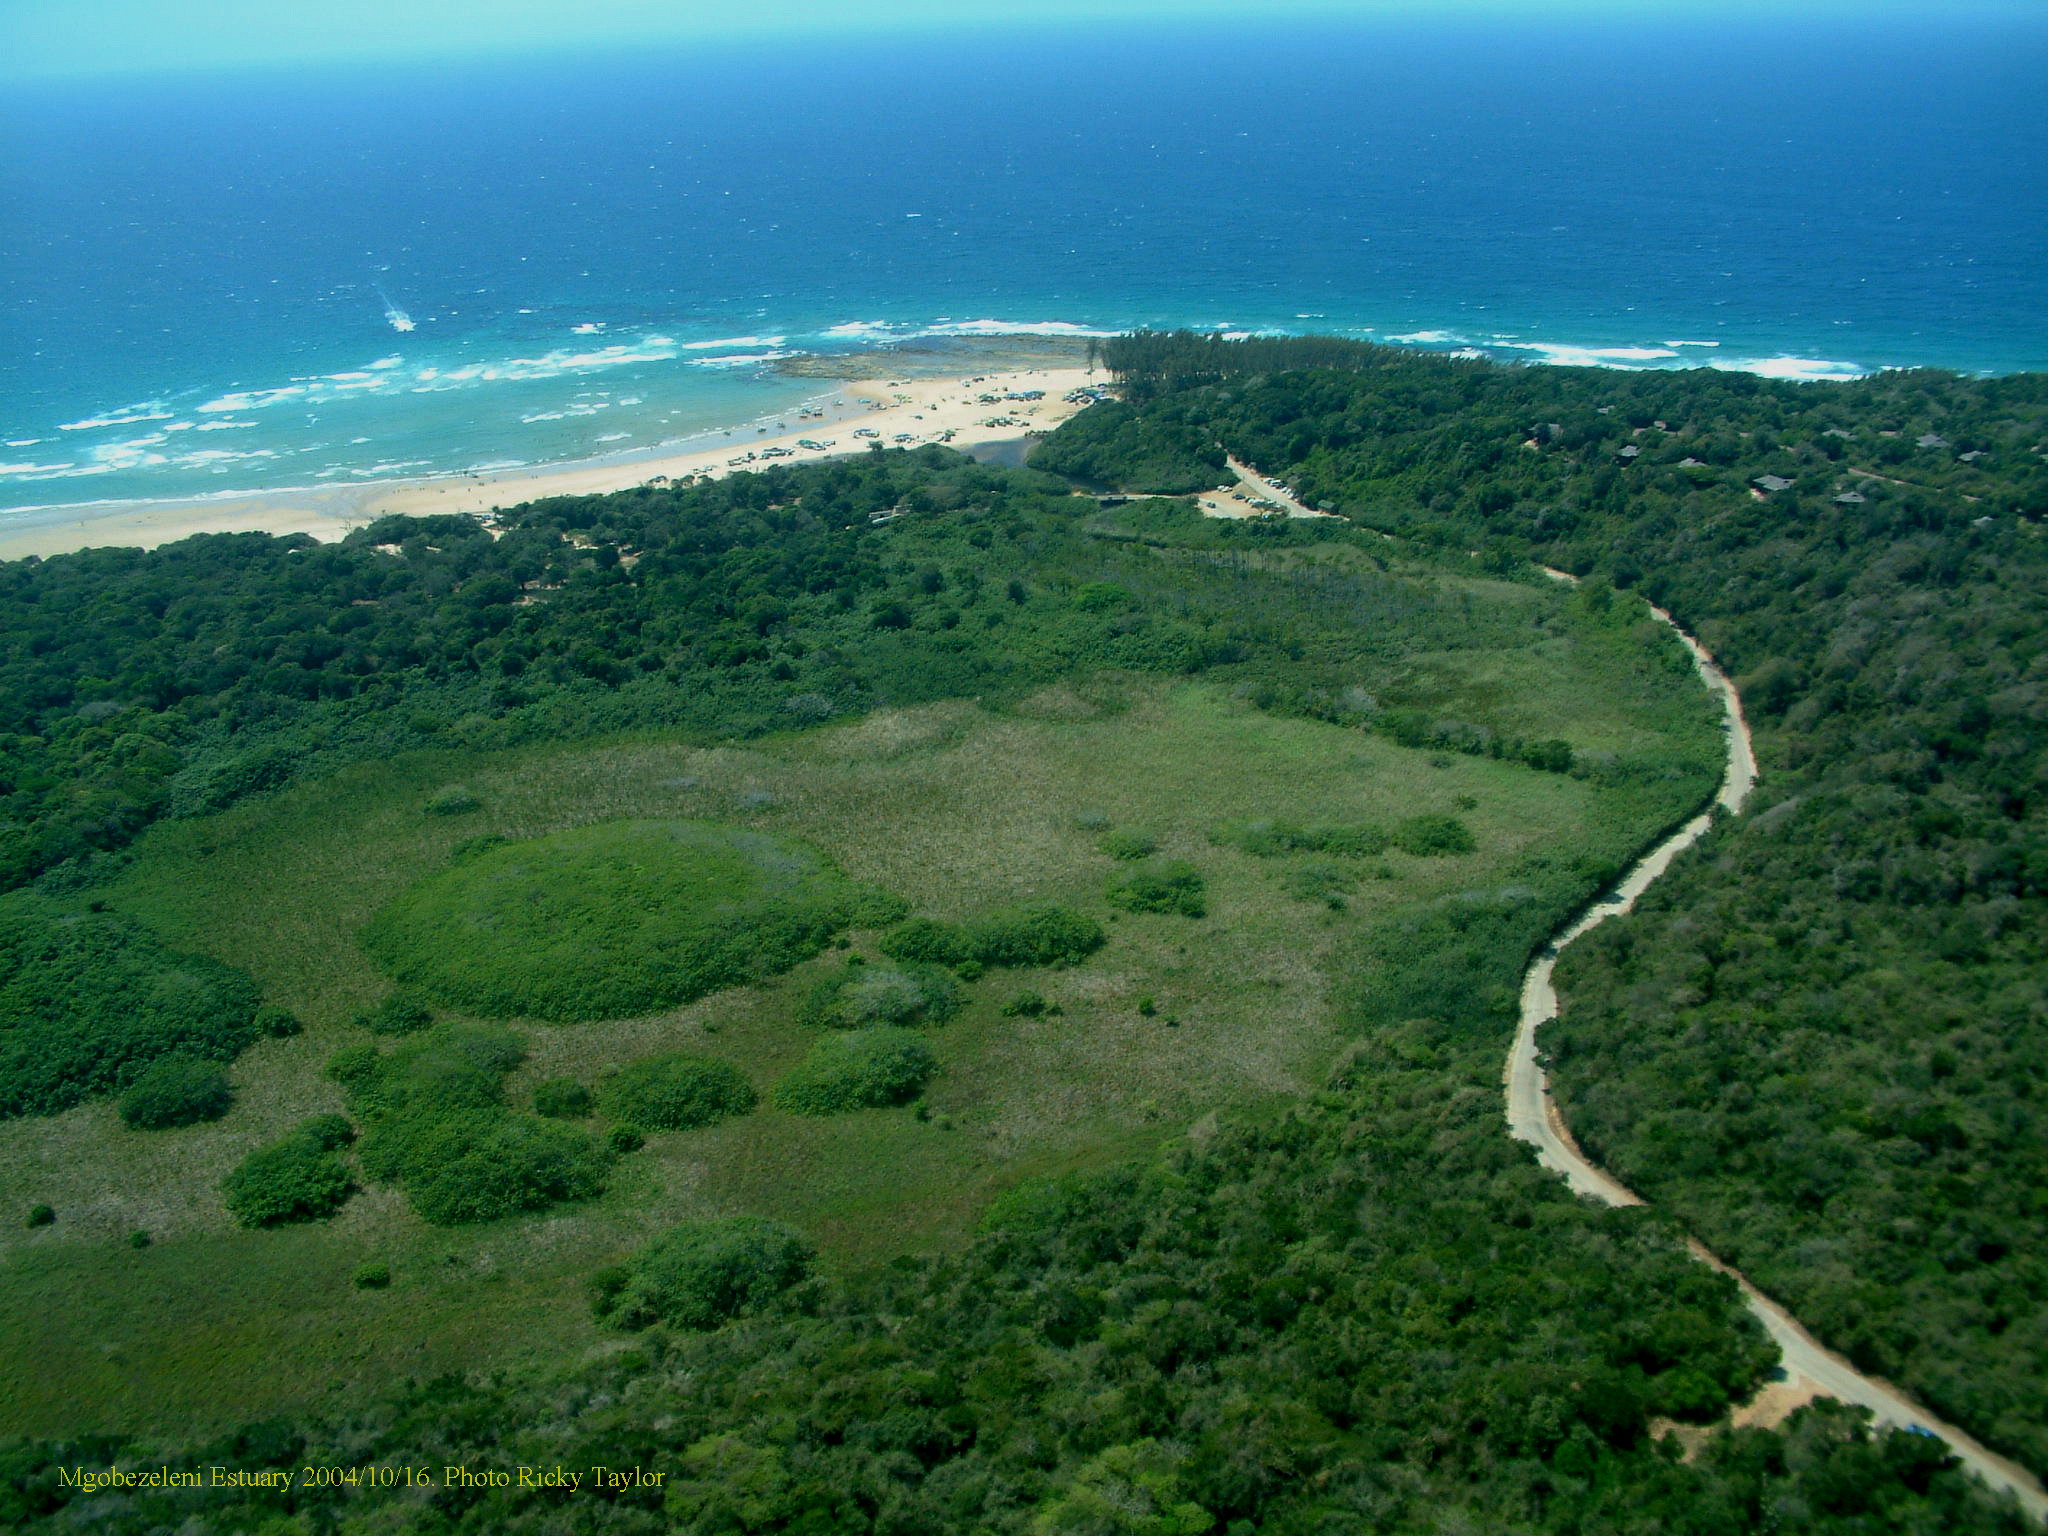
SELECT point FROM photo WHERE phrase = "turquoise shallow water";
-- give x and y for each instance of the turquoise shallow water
(208, 280)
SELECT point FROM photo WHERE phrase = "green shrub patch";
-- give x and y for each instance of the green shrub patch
(436, 1124)
(702, 1273)
(401, 1013)
(864, 995)
(176, 1091)
(1036, 936)
(864, 1069)
(616, 919)
(1434, 836)
(561, 1098)
(1266, 838)
(1129, 843)
(676, 1093)
(466, 1166)
(301, 1178)
(88, 1001)
(1167, 886)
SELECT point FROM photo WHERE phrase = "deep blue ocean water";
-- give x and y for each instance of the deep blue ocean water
(199, 276)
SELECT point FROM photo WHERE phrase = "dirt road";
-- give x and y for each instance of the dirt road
(1533, 1117)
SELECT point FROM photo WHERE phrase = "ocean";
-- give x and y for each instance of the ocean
(219, 284)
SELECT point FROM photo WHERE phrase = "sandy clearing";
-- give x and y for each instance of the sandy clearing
(1235, 500)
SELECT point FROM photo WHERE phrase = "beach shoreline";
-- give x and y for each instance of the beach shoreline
(965, 411)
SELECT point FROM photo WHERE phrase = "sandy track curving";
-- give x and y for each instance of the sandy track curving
(1533, 1117)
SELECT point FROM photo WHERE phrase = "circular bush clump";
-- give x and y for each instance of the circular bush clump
(865, 995)
(617, 919)
(867, 1069)
(296, 1179)
(676, 1093)
(372, 1277)
(561, 1098)
(482, 1167)
(41, 1215)
(177, 1091)
(701, 1273)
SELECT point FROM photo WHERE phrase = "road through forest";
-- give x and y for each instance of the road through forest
(1533, 1117)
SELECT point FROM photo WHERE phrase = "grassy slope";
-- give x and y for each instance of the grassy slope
(955, 808)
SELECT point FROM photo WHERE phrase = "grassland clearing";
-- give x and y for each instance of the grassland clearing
(958, 809)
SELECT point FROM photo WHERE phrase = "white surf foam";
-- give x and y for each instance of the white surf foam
(1016, 328)
(740, 360)
(152, 410)
(1590, 357)
(1805, 370)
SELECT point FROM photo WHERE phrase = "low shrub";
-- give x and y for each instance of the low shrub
(676, 1093)
(1169, 886)
(1434, 836)
(400, 1013)
(436, 1124)
(469, 1166)
(41, 1215)
(296, 1179)
(561, 1098)
(452, 801)
(623, 1138)
(927, 940)
(1025, 1005)
(1319, 880)
(702, 1273)
(1048, 935)
(866, 1069)
(1267, 839)
(176, 1091)
(139, 1239)
(332, 1132)
(372, 1277)
(451, 1066)
(1129, 843)
(278, 1023)
(864, 995)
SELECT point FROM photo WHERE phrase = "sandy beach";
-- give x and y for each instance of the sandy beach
(963, 411)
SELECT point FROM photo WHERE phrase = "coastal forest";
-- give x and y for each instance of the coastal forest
(906, 996)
